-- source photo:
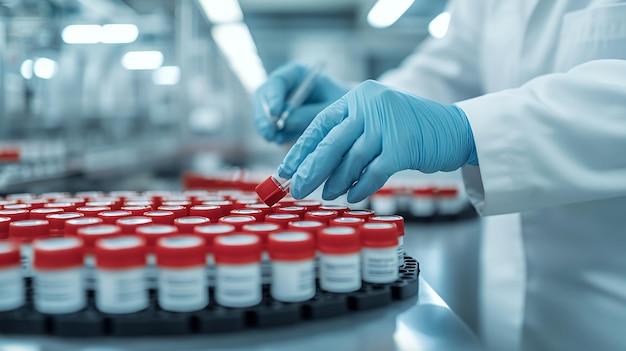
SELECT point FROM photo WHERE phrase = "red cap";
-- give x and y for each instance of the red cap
(298, 210)
(423, 192)
(57, 253)
(183, 251)
(257, 214)
(339, 240)
(237, 249)
(310, 205)
(209, 197)
(153, 232)
(311, 227)
(225, 205)
(7, 202)
(9, 254)
(15, 215)
(19, 197)
(321, 216)
(57, 221)
(242, 203)
(72, 225)
(66, 206)
(212, 212)
(99, 203)
(91, 234)
(110, 217)
(20, 206)
(4, 227)
(291, 246)
(52, 196)
(186, 225)
(139, 203)
(229, 194)
(260, 206)
(282, 219)
(161, 217)
(28, 230)
(351, 222)
(398, 220)
(92, 211)
(42, 213)
(270, 191)
(36, 203)
(237, 221)
(442, 192)
(379, 235)
(210, 231)
(130, 224)
(122, 252)
(136, 210)
(185, 203)
(114, 202)
(179, 211)
(287, 201)
(365, 214)
(262, 230)
(385, 192)
(341, 209)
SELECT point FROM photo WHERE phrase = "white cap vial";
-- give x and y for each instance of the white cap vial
(379, 254)
(293, 273)
(58, 274)
(340, 259)
(120, 273)
(11, 283)
(238, 271)
(182, 280)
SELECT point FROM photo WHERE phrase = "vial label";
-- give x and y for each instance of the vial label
(401, 251)
(183, 290)
(340, 273)
(11, 289)
(266, 268)
(121, 291)
(59, 291)
(26, 253)
(380, 265)
(238, 285)
(89, 271)
(293, 281)
(210, 270)
(152, 272)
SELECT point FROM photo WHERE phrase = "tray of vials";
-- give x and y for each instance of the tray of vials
(126, 263)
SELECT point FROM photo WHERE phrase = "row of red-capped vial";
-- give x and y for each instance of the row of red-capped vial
(420, 202)
(120, 263)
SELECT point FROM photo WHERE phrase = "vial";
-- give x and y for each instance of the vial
(65, 206)
(293, 273)
(120, 274)
(297, 210)
(110, 217)
(310, 205)
(161, 217)
(257, 214)
(185, 203)
(89, 236)
(311, 227)
(58, 275)
(4, 227)
(70, 202)
(209, 232)
(363, 214)
(263, 230)
(57, 222)
(273, 189)
(179, 211)
(384, 201)
(15, 215)
(352, 222)
(379, 253)
(261, 207)
(340, 209)
(24, 233)
(399, 222)
(282, 219)
(244, 202)
(129, 225)
(422, 202)
(238, 272)
(136, 211)
(36, 203)
(72, 225)
(237, 221)
(92, 211)
(323, 216)
(212, 212)
(340, 259)
(449, 201)
(151, 234)
(21, 206)
(41, 213)
(225, 205)
(187, 224)
(140, 203)
(11, 284)
(182, 279)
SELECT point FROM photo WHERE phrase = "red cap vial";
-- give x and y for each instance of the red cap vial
(42, 213)
(320, 216)
(179, 211)
(136, 210)
(161, 217)
(183, 251)
(89, 235)
(28, 230)
(120, 253)
(339, 240)
(9, 254)
(57, 254)
(257, 214)
(210, 231)
(4, 227)
(379, 235)
(15, 215)
(57, 221)
(72, 225)
(186, 225)
(237, 249)
(282, 219)
(262, 230)
(298, 210)
(398, 220)
(212, 212)
(272, 189)
(352, 222)
(153, 232)
(340, 209)
(311, 227)
(291, 246)
(111, 217)
(364, 214)
(92, 211)
(129, 225)
(237, 221)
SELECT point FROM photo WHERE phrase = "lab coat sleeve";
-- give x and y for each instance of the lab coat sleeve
(447, 69)
(559, 139)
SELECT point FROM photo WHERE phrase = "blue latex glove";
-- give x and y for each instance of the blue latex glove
(276, 91)
(358, 142)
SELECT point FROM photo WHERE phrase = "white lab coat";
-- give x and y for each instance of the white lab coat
(543, 84)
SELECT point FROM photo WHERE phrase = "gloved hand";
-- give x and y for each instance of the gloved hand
(276, 92)
(358, 142)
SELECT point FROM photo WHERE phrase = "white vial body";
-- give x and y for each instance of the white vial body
(11, 288)
(183, 290)
(422, 206)
(238, 285)
(26, 255)
(380, 265)
(451, 205)
(152, 272)
(210, 270)
(401, 251)
(293, 281)
(61, 291)
(266, 268)
(384, 205)
(90, 272)
(340, 273)
(121, 291)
